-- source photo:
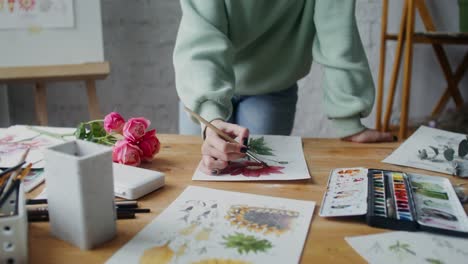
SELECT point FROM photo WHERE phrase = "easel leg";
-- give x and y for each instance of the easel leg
(40, 100)
(441, 55)
(380, 85)
(407, 71)
(456, 79)
(396, 68)
(93, 104)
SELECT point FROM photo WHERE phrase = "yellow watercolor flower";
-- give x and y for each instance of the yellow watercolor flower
(220, 261)
(157, 255)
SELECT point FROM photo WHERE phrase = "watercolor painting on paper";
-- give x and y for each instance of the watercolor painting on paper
(16, 139)
(410, 247)
(435, 150)
(283, 154)
(18, 14)
(212, 226)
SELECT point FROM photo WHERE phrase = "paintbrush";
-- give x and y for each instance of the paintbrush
(9, 170)
(6, 186)
(15, 183)
(223, 135)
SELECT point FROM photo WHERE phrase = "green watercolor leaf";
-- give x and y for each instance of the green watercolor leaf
(436, 150)
(434, 261)
(449, 154)
(463, 148)
(246, 243)
(259, 146)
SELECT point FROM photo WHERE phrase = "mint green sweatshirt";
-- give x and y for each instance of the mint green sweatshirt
(250, 47)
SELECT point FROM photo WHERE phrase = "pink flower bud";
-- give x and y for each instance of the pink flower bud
(114, 122)
(126, 153)
(135, 128)
(149, 145)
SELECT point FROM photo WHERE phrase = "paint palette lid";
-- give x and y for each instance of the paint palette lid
(346, 193)
(437, 205)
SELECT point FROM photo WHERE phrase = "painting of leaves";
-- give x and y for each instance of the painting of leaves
(246, 243)
(401, 248)
(259, 146)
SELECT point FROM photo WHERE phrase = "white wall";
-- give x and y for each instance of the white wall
(138, 41)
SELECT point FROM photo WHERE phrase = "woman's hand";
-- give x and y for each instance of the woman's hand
(371, 136)
(217, 152)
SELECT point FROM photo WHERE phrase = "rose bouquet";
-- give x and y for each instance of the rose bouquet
(131, 141)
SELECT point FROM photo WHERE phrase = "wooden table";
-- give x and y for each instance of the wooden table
(179, 157)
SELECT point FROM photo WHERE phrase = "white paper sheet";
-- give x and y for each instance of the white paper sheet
(286, 160)
(16, 14)
(410, 247)
(16, 139)
(205, 224)
(426, 139)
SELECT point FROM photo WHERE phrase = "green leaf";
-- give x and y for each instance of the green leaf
(97, 130)
(259, 146)
(436, 150)
(463, 148)
(246, 243)
(80, 132)
(434, 261)
(449, 153)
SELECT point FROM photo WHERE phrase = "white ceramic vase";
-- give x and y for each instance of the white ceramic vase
(80, 193)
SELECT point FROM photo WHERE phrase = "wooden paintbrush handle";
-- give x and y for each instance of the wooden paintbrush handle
(211, 126)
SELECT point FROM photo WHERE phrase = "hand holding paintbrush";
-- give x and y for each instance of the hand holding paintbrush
(219, 148)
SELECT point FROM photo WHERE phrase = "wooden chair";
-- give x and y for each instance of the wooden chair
(406, 38)
(40, 75)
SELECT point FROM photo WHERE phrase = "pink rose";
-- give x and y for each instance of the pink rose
(149, 145)
(135, 128)
(114, 122)
(126, 153)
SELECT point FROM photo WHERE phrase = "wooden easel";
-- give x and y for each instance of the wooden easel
(407, 37)
(40, 75)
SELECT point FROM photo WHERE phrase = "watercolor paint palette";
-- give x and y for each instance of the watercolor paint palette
(395, 200)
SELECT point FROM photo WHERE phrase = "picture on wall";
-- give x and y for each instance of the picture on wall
(27, 14)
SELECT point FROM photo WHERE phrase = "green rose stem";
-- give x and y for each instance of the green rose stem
(50, 134)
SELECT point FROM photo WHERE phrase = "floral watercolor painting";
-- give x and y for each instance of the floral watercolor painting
(283, 154)
(410, 247)
(16, 139)
(212, 226)
(36, 13)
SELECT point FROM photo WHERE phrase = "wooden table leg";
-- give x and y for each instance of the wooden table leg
(407, 71)
(93, 103)
(40, 100)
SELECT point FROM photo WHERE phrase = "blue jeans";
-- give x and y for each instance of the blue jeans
(266, 114)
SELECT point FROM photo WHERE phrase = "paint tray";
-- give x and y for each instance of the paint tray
(395, 200)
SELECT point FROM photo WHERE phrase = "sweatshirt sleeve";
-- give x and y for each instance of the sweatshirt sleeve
(348, 85)
(203, 58)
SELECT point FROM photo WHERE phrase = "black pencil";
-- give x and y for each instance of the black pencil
(42, 215)
(120, 204)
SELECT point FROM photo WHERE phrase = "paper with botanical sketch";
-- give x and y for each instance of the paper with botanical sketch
(212, 226)
(435, 150)
(16, 139)
(16, 14)
(283, 154)
(410, 247)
